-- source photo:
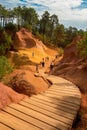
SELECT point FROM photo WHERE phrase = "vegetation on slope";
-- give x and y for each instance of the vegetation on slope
(5, 67)
(82, 47)
(47, 28)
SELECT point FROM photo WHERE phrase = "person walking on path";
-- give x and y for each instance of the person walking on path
(43, 63)
(51, 67)
(32, 54)
(37, 70)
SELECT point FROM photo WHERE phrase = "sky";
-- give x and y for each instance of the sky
(70, 12)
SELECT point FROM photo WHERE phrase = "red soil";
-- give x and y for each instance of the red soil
(7, 96)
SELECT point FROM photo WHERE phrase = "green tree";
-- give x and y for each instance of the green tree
(5, 67)
(44, 23)
(59, 36)
(71, 32)
(53, 24)
(17, 12)
(81, 32)
(5, 42)
(82, 47)
(2, 15)
(6, 15)
(28, 17)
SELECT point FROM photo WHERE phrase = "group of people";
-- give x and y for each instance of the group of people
(43, 64)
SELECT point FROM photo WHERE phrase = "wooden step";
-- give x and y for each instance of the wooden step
(54, 109)
(40, 116)
(5, 127)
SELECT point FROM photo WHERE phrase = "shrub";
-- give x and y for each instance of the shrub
(5, 43)
(20, 60)
(11, 27)
(60, 51)
(5, 67)
(28, 26)
(82, 48)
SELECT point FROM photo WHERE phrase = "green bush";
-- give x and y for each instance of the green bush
(5, 43)
(20, 60)
(60, 51)
(5, 67)
(11, 27)
(82, 48)
(28, 26)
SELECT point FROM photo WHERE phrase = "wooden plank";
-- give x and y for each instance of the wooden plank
(56, 79)
(62, 85)
(68, 98)
(52, 108)
(61, 82)
(29, 119)
(15, 123)
(57, 105)
(55, 101)
(47, 112)
(66, 86)
(42, 117)
(64, 94)
(4, 127)
(64, 90)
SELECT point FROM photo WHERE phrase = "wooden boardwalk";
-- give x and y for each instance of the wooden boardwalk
(54, 109)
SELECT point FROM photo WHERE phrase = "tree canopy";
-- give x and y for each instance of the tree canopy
(47, 28)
